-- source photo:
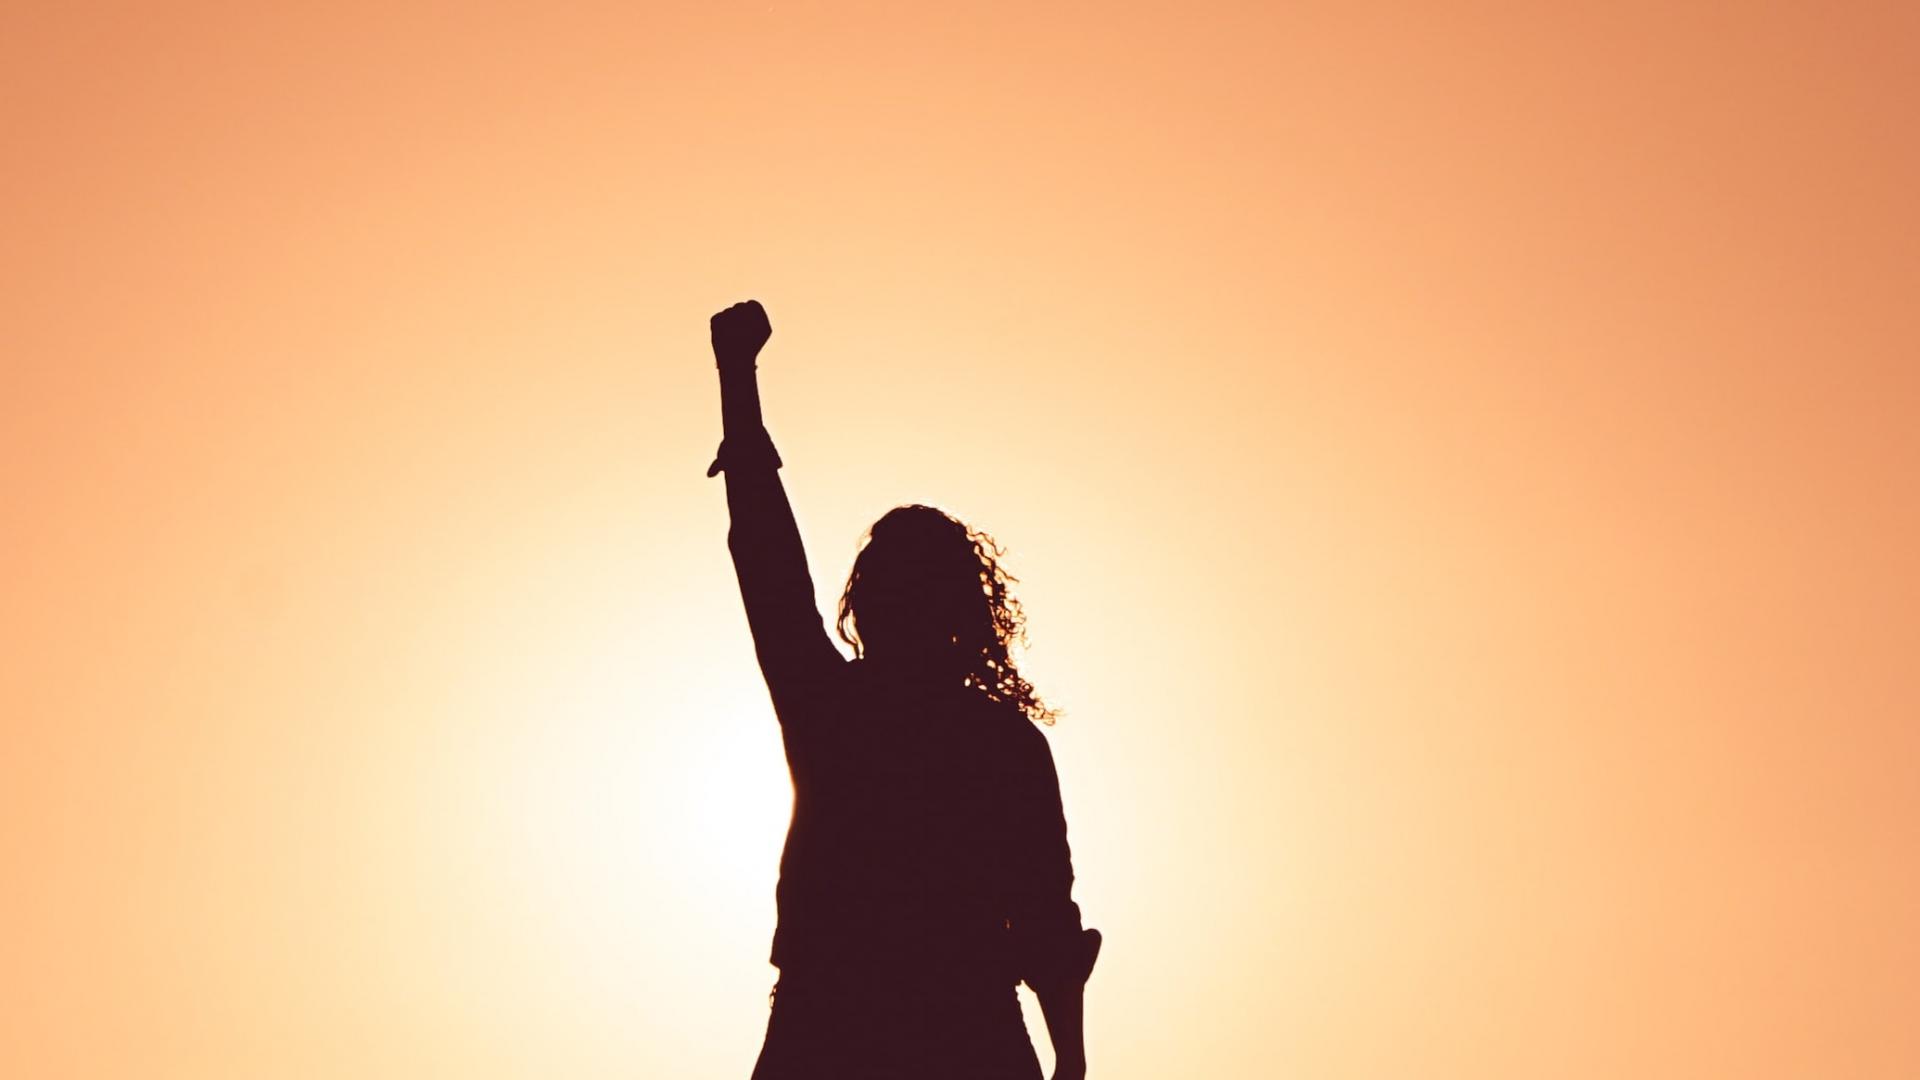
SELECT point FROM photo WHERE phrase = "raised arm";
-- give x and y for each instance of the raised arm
(796, 656)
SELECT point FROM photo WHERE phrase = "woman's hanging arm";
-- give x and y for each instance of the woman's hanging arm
(768, 556)
(1064, 1007)
(1057, 954)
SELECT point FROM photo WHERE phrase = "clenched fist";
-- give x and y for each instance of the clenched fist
(739, 332)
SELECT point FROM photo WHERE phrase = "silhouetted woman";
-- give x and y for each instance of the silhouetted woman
(926, 870)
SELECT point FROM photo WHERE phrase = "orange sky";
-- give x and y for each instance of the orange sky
(1461, 465)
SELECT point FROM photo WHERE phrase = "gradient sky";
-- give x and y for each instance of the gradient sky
(1461, 461)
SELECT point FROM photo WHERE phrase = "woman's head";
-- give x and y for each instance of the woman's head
(928, 591)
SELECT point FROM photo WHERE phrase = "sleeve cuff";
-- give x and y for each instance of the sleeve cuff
(744, 453)
(1065, 961)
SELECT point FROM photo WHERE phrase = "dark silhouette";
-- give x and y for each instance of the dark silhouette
(926, 870)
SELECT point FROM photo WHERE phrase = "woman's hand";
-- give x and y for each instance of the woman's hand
(738, 333)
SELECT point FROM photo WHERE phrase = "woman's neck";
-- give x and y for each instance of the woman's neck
(910, 667)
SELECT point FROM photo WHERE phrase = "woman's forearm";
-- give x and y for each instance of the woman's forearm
(1064, 1006)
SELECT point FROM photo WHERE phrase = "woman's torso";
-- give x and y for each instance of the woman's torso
(895, 862)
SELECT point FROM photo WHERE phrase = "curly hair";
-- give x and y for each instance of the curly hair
(920, 567)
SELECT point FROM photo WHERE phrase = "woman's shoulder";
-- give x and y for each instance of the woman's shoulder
(1009, 727)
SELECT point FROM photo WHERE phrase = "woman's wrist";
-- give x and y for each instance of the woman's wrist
(739, 399)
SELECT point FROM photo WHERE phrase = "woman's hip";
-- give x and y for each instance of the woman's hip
(881, 1028)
